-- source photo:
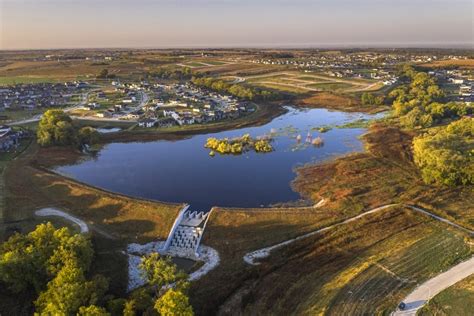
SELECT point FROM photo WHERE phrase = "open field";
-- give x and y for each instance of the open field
(456, 300)
(455, 63)
(5, 81)
(310, 82)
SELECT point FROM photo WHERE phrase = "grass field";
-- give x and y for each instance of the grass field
(5, 81)
(358, 269)
(456, 63)
(393, 178)
(331, 86)
(457, 300)
(299, 82)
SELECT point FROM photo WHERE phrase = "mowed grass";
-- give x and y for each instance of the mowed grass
(457, 300)
(378, 258)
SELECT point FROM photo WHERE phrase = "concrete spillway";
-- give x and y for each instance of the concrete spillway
(186, 233)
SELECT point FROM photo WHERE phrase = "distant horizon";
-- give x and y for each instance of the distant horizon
(165, 24)
(444, 46)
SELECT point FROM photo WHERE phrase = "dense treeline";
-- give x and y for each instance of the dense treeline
(418, 103)
(56, 128)
(53, 265)
(237, 90)
(184, 73)
(370, 99)
(446, 155)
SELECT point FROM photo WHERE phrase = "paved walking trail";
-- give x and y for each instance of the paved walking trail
(254, 256)
(49, 211)
(424, 292)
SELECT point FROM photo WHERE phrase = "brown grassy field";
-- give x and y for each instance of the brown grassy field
(456, 63)
(312, 276)
(337, 102)
(383, 174)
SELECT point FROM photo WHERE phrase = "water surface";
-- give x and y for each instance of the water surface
(183, 171)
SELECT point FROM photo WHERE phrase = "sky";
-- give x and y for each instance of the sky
(35, 24)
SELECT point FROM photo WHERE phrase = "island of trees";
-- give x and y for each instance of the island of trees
(238, 145)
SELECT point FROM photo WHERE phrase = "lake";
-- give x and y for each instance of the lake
(182, 171)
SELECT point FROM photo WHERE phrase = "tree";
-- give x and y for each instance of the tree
(446, 155)
(88, 135)
(129, 308)
(32, 260)
(173, 302)
(159, 271)
(55, 128)
(69, 291)
(92, 310)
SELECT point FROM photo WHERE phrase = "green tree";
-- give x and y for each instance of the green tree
(32, 260)
(88, 135)
(173, 302)
(55, 128)
(129, 308)
(160, 271)
(92, 310)
(446, 155)
(69, 291)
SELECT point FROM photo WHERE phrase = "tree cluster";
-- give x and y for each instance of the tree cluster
(370, 99)
(237, 90)
(184, 73)
(418, 102)
(238, 145)
(166, 290)
(446, 155)
(56, 128)
(54, 264)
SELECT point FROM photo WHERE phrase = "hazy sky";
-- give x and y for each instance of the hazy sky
(222, 23)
